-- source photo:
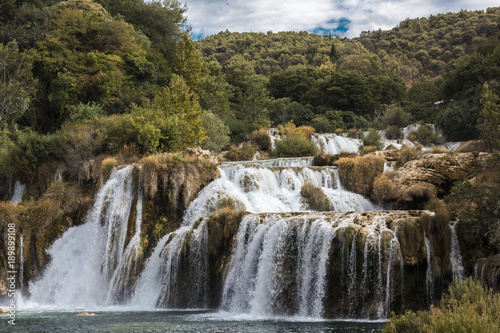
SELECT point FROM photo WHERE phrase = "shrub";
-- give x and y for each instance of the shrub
(261, 139)
(294, 146)
(107, 166)
(79, 145)
(339, 131)
(372, 139)
(358, 173)
(394, 116)
(384, 190)
(244, 153)
(425, 135)
(367, 149)
(315, 197)
(420, 192)
(353, 133)
(466, 307)
(392, 132)
(406, 154)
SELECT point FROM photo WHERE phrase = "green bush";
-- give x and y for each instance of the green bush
(294, 146)
(394, 116)
(372, 139)
(21, 151)
(466, 307)
(425, 135)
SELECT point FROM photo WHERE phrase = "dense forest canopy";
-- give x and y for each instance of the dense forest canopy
(95, 76)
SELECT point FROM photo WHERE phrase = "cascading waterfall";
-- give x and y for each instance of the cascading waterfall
(284, 264)
(17, 196)
(89, 261)
(455, 256)
(329, 143)
(273, 189)
(285, 260)
(429, 279)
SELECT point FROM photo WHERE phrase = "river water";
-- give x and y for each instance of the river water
(174, 321)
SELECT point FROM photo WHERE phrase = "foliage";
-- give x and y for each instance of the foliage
(244, 153)
(217, 133)
(425, 135)
(384, 189)
(17, 86)
(294, 145)
(261, 139)
(373, 139)
(489, 118)
(358, 173)
(466, 307)
(406, 154)
(394, 115)
(315, 197)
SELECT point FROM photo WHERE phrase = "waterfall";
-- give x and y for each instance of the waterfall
(259, 189)
(455, 256)
(429, 275)
(285, 264)
(88, 263)
(21, 262)
(17, 196)
(330, 143)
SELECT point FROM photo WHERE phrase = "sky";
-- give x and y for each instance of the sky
(346, 18)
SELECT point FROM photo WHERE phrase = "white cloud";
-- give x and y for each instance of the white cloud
(209, 17)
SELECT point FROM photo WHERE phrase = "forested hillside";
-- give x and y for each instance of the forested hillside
(84, 79)
(332, 83)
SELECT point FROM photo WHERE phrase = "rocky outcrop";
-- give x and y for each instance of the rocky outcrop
(428, 177)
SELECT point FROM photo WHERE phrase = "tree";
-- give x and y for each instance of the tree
(217, 133)
(17, 86)
(489, 118)
(254, 102)
(188, 63)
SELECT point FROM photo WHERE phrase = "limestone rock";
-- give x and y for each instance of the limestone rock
(432, 175)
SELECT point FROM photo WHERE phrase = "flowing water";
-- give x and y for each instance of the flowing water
(289, 266)
(17, 196)
(455, 256)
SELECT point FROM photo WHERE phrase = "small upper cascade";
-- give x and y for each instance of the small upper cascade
(288, 264)
(272, 189)
(329, 143)
(17, 196)
(455, 256)
(87, 259)
(281, 162)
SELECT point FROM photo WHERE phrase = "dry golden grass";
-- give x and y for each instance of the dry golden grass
(407, 154)
(367, 149)
(358, 173)
(384, 190)
(420, 192)
(244, 153)
(107, 166)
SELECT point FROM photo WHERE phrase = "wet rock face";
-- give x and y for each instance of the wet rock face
(331, 264)
(487, 271)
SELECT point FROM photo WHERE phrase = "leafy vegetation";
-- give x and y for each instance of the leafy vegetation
(467, 307)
